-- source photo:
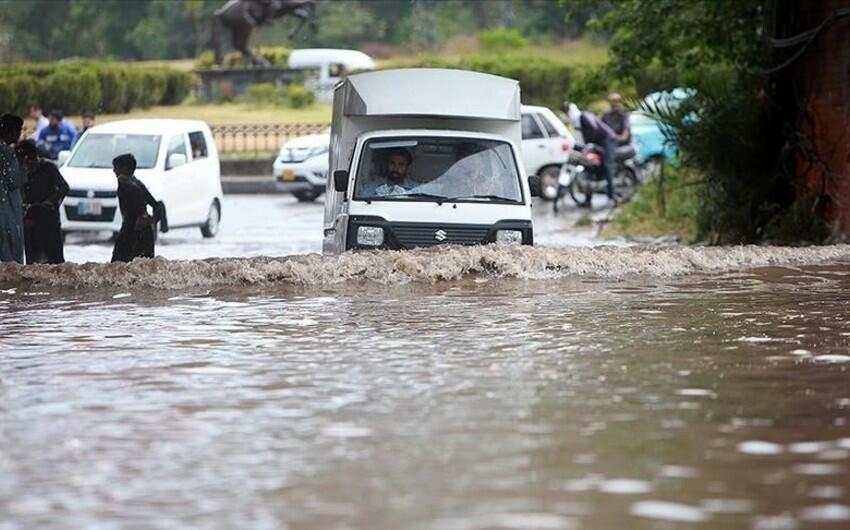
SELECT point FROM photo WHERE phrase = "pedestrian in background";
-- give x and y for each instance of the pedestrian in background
(43, 193)
(88, 122)
(11, 180)
(136, 237)
(41, 121)
(57, 136)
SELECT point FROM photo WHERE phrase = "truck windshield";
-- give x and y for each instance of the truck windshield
(438, 169)
(98, 150)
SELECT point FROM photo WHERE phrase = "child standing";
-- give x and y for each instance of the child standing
(136, 238)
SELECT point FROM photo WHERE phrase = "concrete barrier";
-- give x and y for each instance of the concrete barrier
(253, 167)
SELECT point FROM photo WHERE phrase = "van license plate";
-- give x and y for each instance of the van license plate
(89, 208)
(288, 174)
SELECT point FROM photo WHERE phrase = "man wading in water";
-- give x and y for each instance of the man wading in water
(136, 238)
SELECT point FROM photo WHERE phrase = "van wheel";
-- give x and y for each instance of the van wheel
(305, 195)
(210, 227)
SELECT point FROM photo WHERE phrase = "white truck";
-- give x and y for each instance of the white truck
(420, 157)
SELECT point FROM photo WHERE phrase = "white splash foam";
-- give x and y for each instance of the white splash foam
(833, 358)
(826, 513)
(759, 447)
(624, 486)
(425, 265)
(669, 511)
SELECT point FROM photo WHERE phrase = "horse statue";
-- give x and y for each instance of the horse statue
(242, 16)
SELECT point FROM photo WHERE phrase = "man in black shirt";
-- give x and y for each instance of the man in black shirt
(618, 119)
(136, 238)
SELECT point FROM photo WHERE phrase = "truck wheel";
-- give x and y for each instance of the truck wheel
(305, 195)
(210, 227)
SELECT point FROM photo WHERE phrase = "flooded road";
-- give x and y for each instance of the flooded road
(533, 389)
(278, 225)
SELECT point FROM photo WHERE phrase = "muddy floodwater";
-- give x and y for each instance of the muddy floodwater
(461, 389)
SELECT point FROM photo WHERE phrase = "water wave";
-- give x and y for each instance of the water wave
(425, 265)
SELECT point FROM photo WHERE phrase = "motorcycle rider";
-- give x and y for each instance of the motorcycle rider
(618, 119)
(595, 131)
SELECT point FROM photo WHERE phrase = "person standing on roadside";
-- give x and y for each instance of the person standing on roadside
(136, 237)
(41, 121)
(43, 192)
(57, 136)
(618, 119)
(88, 123)
(11, 180)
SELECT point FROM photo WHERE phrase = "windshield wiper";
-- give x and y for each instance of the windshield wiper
(482, 196)
(438, 198)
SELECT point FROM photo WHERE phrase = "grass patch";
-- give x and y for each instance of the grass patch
(663, 206)
(228, 113)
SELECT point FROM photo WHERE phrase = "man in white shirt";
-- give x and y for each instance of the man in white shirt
(40, 119)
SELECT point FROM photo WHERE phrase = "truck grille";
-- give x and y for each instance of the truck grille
(411, 235)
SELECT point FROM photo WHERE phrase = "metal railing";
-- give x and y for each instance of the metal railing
(250, 140)
(259, 140)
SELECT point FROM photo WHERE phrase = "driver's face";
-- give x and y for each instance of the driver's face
(398, 167)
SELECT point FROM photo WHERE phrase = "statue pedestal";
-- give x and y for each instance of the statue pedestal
(227, 83)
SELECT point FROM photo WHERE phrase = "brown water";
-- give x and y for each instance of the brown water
(655, 389)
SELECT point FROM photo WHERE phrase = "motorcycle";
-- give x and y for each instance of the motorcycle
(582, 177)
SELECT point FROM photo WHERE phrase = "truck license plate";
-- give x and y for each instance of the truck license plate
(89, 208)
(288, 174)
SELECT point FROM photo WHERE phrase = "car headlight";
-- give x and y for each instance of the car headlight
(509, 237)
(316, 151)
(370, 236)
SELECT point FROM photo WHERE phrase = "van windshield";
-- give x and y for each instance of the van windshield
(438, 169)
(98, 150)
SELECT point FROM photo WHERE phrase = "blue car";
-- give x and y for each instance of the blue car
(649, 138)
(648, 132)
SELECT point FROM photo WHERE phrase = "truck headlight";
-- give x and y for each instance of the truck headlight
(509, 237)
(370, 236)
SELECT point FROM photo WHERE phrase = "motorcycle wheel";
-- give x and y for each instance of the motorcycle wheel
(626, 183)
(549, 183)
(581, 191)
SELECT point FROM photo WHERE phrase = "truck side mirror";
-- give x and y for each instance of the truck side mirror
(341, 180)
(534, 185)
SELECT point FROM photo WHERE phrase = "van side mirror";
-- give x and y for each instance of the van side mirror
(63, 157)
(174, 160)
(341, 180)
(534, 185)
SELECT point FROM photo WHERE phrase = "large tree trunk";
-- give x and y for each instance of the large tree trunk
(821, 80)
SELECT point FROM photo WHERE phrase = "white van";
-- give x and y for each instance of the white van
(421, 157)
(332, 65)
(176, 159)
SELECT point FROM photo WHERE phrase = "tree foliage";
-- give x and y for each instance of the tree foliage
(39, 30)
(731, 131)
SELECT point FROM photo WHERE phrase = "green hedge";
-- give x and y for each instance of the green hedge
(542, 81)
(102, 87)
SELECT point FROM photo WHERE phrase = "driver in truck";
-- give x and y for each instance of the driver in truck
(397, 180)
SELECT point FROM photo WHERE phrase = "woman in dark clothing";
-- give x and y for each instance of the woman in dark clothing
(43, 192)
(136, 238)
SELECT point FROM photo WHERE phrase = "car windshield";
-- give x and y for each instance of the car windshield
(98, 150)
(438, 169)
